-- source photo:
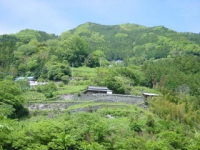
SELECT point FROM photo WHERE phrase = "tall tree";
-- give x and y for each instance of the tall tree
(75, 49)
(10, 95)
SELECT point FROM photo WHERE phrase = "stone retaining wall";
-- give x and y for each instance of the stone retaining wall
(50, 105)
(78, 99)
(109, 98)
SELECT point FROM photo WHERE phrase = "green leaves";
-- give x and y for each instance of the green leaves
(28, 50)
(174, 73)
(96, 59)
(49, 89)
(140, 130)
(6, 109)
(11, 100)
(76, 50)
(114, 84)
(55, 71)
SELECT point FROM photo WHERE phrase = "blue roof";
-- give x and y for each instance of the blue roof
(23, 78)
(19, 78)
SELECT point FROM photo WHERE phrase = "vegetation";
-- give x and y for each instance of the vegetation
(11, 100)
(132, 128)
(128, 59)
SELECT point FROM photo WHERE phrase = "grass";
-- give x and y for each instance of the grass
(139, 90)
(82, 79)
(70, 89)
(84, 72)
(92, 104)
(34, 96)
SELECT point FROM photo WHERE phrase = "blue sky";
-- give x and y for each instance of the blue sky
(57, 16)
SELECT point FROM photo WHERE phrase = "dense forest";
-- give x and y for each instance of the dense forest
(128, 59)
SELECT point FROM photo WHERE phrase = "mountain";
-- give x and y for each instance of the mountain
(132, 40)
(33, 52)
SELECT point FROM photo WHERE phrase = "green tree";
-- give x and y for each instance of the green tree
(48, 89)
(114, 84)
(10, 94)
(65, 79)
(55, 71)
(6, 127)
(95, 58)
(175, 140)
(28, 50)
(76, 50)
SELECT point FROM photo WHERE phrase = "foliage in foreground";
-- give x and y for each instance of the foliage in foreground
(131, 128)
(11, 100)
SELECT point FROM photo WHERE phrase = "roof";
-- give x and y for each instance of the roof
(150, 94)
(119, 61)
(97, 88)
(19, 78)
(24, 78)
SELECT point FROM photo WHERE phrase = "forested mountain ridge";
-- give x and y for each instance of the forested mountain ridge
(136, 43)
(17, 49)
(130, 42)
(39, 54)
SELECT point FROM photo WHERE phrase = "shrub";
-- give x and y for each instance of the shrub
(61, 84)
(48, 89)
(65, 79)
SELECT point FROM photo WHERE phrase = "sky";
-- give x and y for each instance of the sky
(57, 16)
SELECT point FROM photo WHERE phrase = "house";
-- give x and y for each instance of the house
(97, 89)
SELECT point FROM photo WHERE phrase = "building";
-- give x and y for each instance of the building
(97, 89)
(25, 78)
(146, 95)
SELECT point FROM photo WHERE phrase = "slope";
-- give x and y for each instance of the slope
(136, 43)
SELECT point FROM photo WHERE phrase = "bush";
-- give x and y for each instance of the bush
(61, 84)
(11, 100)
(65, 79)
(48, 89)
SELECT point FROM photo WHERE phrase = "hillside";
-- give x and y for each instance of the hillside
(154, 60)
(50, 57)
(129, 42)
(136, 43)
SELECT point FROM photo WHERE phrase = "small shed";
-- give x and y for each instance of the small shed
(146, 95)
(97, 89)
